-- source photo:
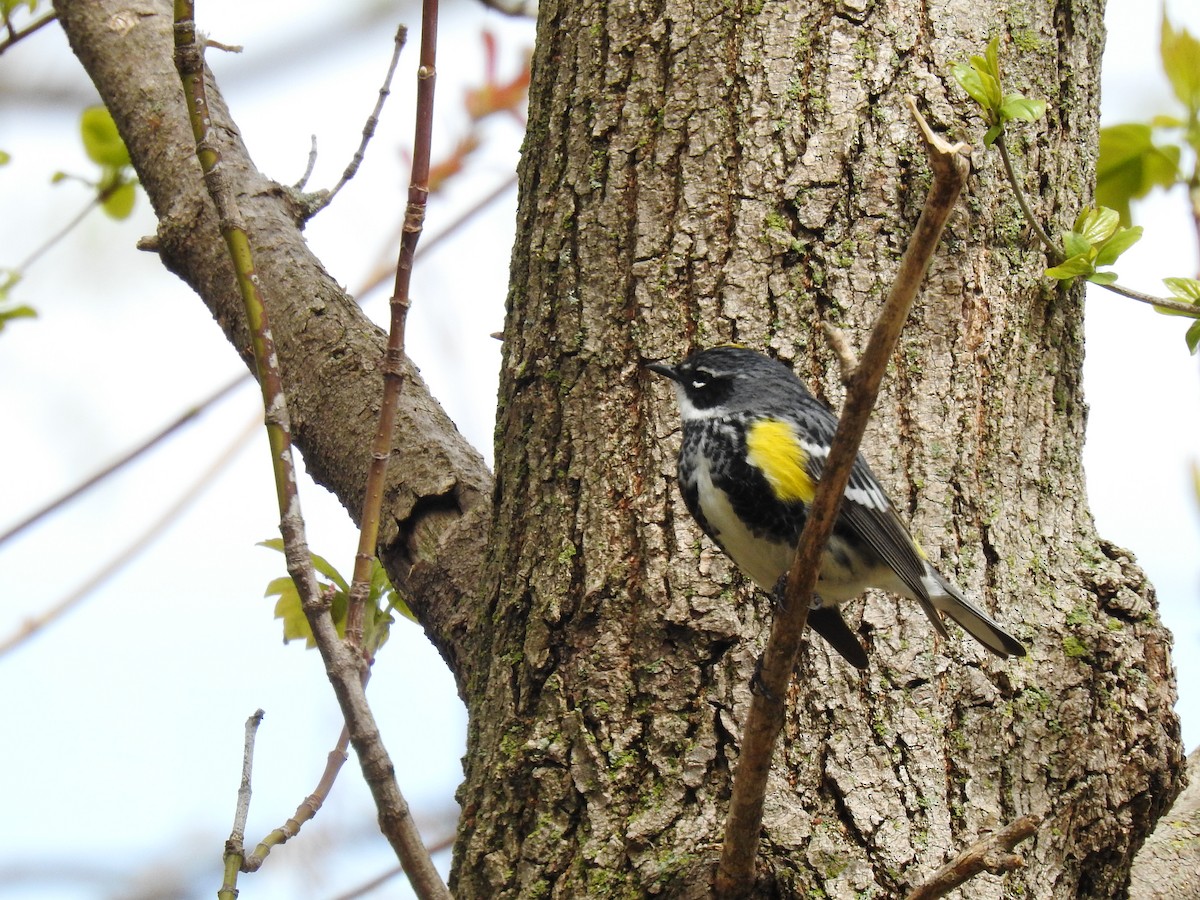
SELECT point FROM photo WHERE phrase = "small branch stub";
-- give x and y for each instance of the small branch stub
(992, 853)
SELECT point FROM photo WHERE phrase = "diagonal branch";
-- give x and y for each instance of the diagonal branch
(342, 665)
(992, 853)
(735, 873)
(437, 496)
(393, 370)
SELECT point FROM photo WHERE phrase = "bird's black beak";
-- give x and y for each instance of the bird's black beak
(664, 370)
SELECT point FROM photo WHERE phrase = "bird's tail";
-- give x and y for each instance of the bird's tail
(973, 620)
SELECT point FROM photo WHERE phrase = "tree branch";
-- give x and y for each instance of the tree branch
(307, 809)
(992, 853)
(342, 664)
(735, 873)
(235, 847)
(393, 370)
(437, 497)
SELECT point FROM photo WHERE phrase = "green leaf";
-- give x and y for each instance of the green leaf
(1131, 165)
(290, 610)
(8, 280)
(100, 138)
(16, 312)
(1163, 121)
(1122, 240)
(1181, 61)
(981, 80)
(1018, 107)
(1184, 288)
(377, 618)
(1193, 337)
(10, 6)
(979, 85)
(1075, 244)
(5, 157)
(1102, 277)
(1072, 268)
(118, 202)
(1097, 225)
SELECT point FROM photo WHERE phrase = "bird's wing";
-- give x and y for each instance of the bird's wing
(867, 514)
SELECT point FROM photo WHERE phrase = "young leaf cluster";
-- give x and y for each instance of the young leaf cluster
(1187, 290)
(1131, 164)
(981, 79)
(381, 602)
(10, 311)
(1097, 239)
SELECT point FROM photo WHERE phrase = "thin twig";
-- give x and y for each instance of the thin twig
(393, 371)
(1182, 306)
(37, 253)
(136, 547)
(308, 168)
(342, 664)
(202, 406)
(992, 853)
(735, 873)
(383, 878)
(125, 459)
(1056, 257)
(372, 121)
(235, 847)
(383, 272)
(1051, 250)
(15, 36)
(847, 360)
(307, 809)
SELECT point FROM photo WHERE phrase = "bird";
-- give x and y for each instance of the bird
(755, 441)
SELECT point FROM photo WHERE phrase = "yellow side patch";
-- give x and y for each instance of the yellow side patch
(772, 446)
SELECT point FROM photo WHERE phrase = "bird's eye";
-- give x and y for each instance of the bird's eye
(702, 379)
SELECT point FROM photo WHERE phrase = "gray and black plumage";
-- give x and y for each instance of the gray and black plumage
(754, 445)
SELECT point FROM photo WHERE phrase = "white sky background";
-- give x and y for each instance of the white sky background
(123, 723)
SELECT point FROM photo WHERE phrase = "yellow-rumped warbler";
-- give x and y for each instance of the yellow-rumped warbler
(754, 444)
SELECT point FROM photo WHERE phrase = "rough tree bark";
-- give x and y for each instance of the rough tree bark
(700, 173)
(697, 173)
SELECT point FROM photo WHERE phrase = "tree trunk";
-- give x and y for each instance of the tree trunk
(1169, 864)
(695, 175)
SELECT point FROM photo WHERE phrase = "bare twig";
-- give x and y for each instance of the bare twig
(393, 372)
(372, 122)
(385, 270)
(992, 853)
(1051, 250)
(307, 809)
(126, 458)
(41, 249)
(735, 873)
(384, 877)
(342, 665)
(135, 548)
(1182, 306)
(308, 168)
(235, 847)
(15, 36)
